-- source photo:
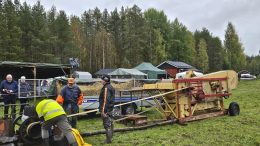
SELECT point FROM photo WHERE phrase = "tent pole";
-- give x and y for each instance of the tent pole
(34, 84)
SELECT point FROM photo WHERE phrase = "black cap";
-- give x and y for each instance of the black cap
(105, 78)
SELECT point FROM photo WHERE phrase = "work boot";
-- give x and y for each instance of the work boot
(112, 129)
(46, 142)
(109, 135)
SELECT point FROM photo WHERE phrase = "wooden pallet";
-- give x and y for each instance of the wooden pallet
(136, 120)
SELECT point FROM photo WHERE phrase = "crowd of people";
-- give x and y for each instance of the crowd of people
(54, 112)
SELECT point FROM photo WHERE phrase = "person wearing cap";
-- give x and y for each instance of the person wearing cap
(106, 105)
(70, 98)
(24, 93)
(9, 89)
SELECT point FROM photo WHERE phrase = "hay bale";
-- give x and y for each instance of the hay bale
(94, 89)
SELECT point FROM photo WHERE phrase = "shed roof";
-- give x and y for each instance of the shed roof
(177, 64)
(43, 70)
(30, 64)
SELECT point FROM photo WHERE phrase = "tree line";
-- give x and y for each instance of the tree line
(123, 37)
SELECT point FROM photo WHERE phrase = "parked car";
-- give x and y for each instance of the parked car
(247, 77)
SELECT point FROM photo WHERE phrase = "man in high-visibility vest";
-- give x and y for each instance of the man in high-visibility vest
(51, 113)
(106, 105)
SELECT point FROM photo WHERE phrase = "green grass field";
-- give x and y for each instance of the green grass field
(242, 130)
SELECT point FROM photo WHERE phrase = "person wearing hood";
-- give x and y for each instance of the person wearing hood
(9, 89)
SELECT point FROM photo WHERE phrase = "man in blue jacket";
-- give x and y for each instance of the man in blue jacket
(9, 89)
(70, 98)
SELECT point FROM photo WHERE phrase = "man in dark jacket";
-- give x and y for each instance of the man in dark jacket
(24, 93)
(106, 105)
(9, 90)
(70, 98)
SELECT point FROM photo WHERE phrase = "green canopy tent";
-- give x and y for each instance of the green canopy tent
(152, 71)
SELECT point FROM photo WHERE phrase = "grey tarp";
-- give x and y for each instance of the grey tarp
(105, 71)
(127, 73)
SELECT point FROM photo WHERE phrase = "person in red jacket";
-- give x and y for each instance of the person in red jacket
(70, 98)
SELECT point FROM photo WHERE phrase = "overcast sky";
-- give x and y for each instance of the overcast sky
(195, 14)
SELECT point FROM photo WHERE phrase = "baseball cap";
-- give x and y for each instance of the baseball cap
(105, 78)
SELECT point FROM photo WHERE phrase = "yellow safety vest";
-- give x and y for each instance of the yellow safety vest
(49, 109)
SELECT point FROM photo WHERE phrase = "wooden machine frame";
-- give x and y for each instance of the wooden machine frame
(190, 99)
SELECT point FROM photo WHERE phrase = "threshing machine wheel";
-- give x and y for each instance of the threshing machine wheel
(32, 137)
(233, 109)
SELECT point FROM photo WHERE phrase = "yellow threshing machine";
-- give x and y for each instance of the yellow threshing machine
(195, 98)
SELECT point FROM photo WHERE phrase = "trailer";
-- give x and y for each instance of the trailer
(92, 103)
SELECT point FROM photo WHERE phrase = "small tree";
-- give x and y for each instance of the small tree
(234, 49)
(202, 56)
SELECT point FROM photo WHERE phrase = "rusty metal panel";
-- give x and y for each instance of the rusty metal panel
(6, 127)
